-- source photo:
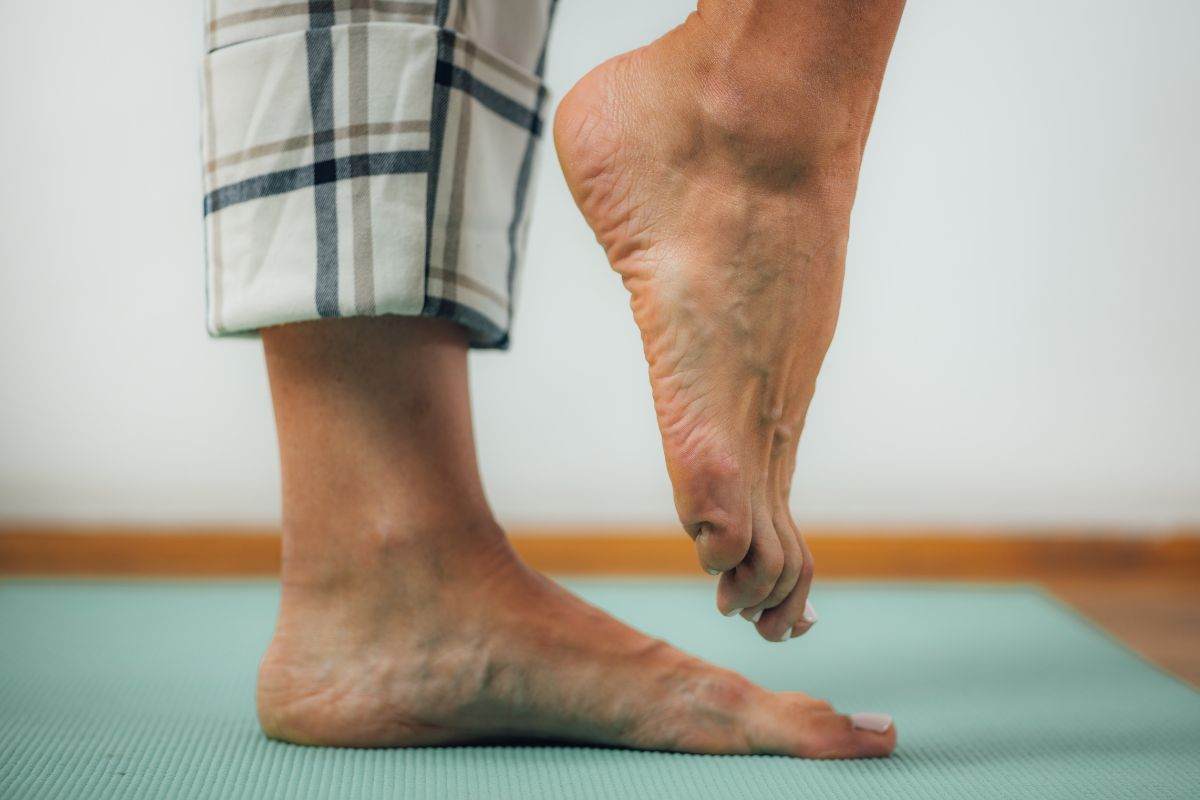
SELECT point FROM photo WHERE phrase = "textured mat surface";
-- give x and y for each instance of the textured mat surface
(145, 690)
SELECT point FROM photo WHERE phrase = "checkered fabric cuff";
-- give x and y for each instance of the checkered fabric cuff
(366, 157)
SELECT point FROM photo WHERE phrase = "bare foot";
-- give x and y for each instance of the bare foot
(434, 644)
(719, 177)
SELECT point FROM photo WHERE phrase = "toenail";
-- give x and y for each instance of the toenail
(786, 635)
(712, 571)
(756, 616)
(871, 722)
(731, 612)
(810, 613)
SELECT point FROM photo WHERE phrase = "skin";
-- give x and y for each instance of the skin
(406, 619)
(717, 167)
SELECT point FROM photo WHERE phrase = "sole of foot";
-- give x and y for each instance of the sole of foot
(723, 204)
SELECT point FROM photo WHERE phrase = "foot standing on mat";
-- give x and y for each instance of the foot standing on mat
(371, 163)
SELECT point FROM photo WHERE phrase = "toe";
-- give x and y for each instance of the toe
(831, 735)
(714, 510)
(796, 725)
(720, 547)
(795, 615)
(751, 582)
(774, 626)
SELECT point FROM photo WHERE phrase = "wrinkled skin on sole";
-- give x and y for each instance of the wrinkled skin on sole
(727, 221)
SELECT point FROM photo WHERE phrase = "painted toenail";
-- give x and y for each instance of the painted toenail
(810, 613)
(757, 616)
(871, 722)
(731, 612)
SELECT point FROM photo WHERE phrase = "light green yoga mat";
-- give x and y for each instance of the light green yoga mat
(145, 690)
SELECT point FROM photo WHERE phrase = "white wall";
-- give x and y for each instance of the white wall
(1020, 341)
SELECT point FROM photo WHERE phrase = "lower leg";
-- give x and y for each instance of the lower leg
(406, 618)
(375, 447)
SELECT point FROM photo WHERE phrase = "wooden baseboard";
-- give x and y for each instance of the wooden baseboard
(974, 554)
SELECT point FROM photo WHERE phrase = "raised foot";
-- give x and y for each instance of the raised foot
(501, 654)
(724, 206)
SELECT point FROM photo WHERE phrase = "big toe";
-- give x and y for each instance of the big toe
(715, 510)
(796, 725)
(720, 547)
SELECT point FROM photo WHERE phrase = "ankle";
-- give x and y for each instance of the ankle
(370, 556)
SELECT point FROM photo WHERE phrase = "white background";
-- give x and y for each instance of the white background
(1019, 344)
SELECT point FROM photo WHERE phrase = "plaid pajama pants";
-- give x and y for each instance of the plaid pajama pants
(366, 157)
